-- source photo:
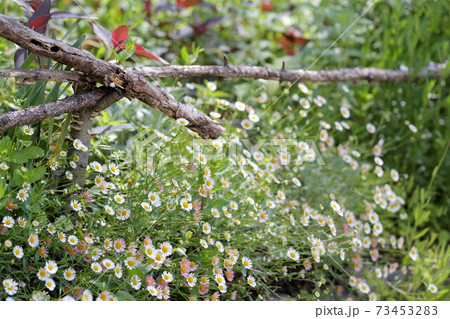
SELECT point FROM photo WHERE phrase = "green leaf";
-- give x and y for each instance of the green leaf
(26, 154)
(17, 179)
(421, 234)
(2, 190)
(28, 61)
(79, 42)
(64, 223)
(138, 272)
(35, 174)
(185, 55)
(5, 145)
(422, 217)
(124, 296)
(99, 284)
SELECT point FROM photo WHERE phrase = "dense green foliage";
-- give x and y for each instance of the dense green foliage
(332, 191)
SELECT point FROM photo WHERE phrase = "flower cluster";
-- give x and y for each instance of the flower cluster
(203, 220)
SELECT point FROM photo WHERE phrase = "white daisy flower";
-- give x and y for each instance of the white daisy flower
(114, 169)
(28, 130)
(182, 121)
(96, 166)
(240, 106)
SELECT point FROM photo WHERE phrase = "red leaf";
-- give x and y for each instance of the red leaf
(202, 27)
(188, 3)
(267, 6)
(119, 35)
(39, 23)
(34, 3)
(141, 51)
(287, 45)
(40, 17)
(296, 36)
(148, 9)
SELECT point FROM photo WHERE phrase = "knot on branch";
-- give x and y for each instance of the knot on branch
(282, 72)
(226, 64)
(226, 61)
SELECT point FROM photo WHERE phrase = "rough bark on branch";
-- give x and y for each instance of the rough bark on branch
(44, 75)
(229, 72)
(81, 124)
(44, 111)
(131, 83)
(255, 72)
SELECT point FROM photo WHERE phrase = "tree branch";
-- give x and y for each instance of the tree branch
(44, 75)
(229, 72)
(81, 124)
(300, 76)
(112, 75)
(131, 82)
(44, 111)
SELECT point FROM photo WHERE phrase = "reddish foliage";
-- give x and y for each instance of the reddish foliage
(188, 3)
(202, 27)
(119, 35)
(267, 6)
(39, 23)
(34, 3)
(148, 9)
(295, 36)
(141, 51)
(287, 45)
(291, 38)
